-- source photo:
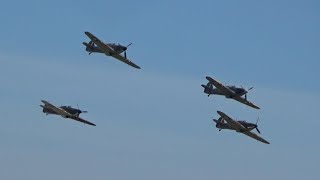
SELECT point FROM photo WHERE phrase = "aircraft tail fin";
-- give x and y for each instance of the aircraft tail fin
(89, 46)
(205, 87)
(221, 120)
(216, 121)
(86, 44)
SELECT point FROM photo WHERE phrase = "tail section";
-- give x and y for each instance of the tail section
(216, 121)
(89, 46)
(208, 88)
(219, 121)
(86, 44)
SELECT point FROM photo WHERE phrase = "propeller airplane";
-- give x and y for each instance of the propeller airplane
(64, 111)
(110, 49)
(226, 122)
(231, 92)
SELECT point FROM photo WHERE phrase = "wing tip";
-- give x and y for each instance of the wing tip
(208, 78)
(88, 34)
(255, 106)
(134, 65)
(220, 113)
(266, 142)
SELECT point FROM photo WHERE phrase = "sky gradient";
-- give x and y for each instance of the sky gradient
(156, 123)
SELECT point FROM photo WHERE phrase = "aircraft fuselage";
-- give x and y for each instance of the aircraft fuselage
(221, 125)
(115, 47)
(68, 109)
(236, 90)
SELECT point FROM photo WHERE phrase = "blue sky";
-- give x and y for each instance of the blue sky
(155, 123)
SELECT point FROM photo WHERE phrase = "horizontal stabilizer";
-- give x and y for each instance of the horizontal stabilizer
(86, 44)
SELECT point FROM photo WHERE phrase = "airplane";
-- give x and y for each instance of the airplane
(239, 126)
(230, 92)
(64, 111)
(109, 49)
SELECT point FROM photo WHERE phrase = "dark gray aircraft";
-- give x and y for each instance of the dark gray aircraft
(231, 92)
(109, 49)
(239, 126)
(64, 111)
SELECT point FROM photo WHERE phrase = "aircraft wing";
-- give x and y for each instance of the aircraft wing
(82, 120)
(125, 60)
(55, 109)
(228, 91)
(232, 123)
(108, 50)
(104, 47)
(244, 101)
(255, 136)
(225, 90)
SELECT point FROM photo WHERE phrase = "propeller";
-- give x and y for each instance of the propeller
(210, 86)
(257, 126)
(245, 95)
(80, 111)
(125, 50)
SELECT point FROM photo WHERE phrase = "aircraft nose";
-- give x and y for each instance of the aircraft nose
(124, 48)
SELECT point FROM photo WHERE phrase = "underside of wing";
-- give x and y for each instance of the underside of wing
(255, 136)
(109, 51)
(223, 89)
(125, 60)
(55, 109)
(104, 47)
(244, 101)
(82, 120)
(231, 123)
(47, 104)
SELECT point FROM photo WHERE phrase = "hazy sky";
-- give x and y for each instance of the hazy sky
(156, 123)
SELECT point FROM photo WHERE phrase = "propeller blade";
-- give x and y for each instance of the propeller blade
(245, 96)
(250, 88)
(257, 125)
(258, 130)
(81, 110)
(125, 54)
(128, 45)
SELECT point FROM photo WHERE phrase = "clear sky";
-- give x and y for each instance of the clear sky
(156, 123)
